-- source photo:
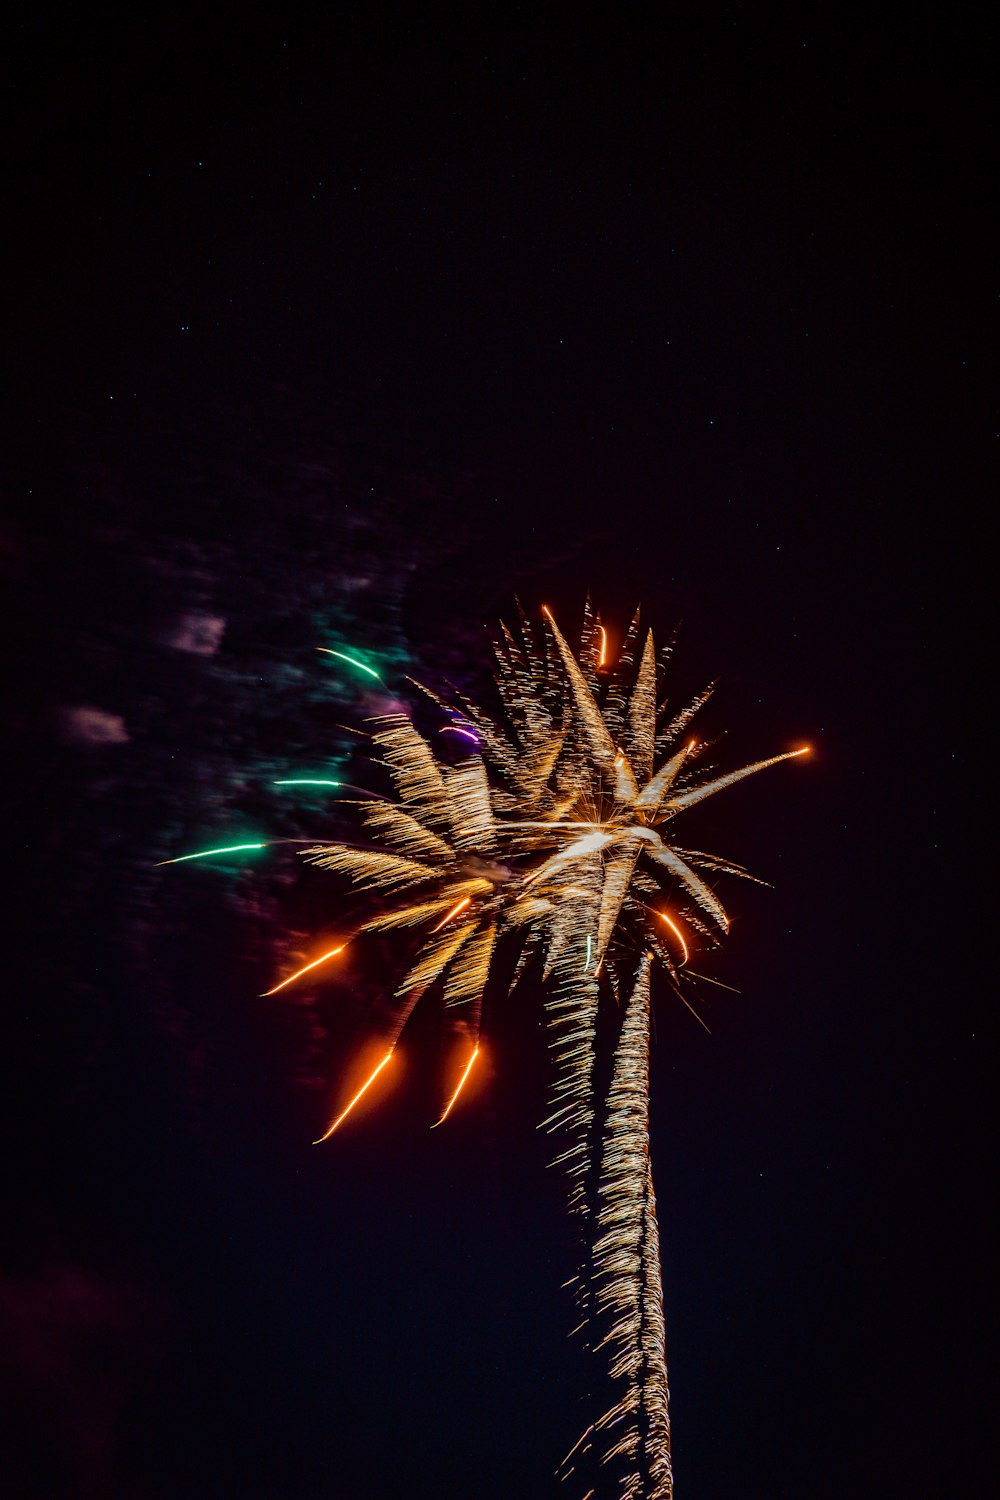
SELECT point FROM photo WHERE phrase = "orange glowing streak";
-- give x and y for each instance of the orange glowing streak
(806, 750)
(461, 1085)
(299, 972)
(359, 1095)
(604, 645)
(459, 906)
(676, 932)
(547, 611)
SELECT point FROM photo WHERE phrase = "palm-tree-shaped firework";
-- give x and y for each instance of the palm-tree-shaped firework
(554, 827)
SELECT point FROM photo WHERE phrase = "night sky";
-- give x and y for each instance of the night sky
(344, 325)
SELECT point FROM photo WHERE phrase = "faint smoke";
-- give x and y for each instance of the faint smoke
(94, 726)
(198, 633)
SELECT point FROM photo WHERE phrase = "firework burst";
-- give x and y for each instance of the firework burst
(556, 829)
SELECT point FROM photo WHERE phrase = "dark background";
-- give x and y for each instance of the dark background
(341, 325)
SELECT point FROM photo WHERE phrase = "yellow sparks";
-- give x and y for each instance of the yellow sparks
(305, 970)
(676, 932)
(604, 646)
(459, 906)
(461, 1085)
(359, 1095)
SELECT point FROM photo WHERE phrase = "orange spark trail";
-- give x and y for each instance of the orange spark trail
(604, 645)
(361, 1092)
(676, 932)
(459, 906)
(299, 972)
(461, 1086)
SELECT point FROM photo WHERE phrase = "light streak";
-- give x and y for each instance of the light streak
(805, 750)
(361, 666)
(604, 646)
(305, 970)
(581, 1439)
(461, 1085)
(305, 781)
(454, 729)
(205, 853)
(359, 1095)
(587, 969)
(459, 906)
(676, 932)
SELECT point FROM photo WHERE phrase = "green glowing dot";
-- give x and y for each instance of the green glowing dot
(204, 853)
(362, 667)
(305, 781)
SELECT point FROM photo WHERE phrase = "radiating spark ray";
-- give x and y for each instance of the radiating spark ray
(604, 646)
(359, 1095)
(205, 853)
(709, 980)
(455, 729)
(587, 965)
(459, 906)
(676, 932)
(343, 656)
(304, 970)
(685, 1001)
(461, 1084)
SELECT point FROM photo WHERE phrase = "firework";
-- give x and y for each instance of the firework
(555, 830)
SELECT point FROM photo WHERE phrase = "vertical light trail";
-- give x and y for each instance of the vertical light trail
(604, 646)
(305, 970)
(461, 1085)
(359, 1095)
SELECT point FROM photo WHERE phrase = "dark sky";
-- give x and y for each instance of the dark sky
(345, 324)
